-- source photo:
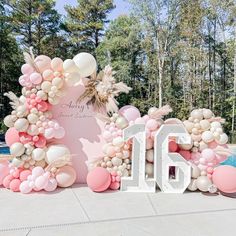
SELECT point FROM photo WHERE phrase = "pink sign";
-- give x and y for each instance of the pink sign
(83, 130)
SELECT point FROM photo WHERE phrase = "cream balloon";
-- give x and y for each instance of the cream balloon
(38, 154)
(121, 122)
(207, 136)
(150, 155)
(8, 121)
(21, 124)
(32, 118)
(86, 64)
(186, 146)
(116, 161)
(207, 113)
(17, 149)
(69, 66)
(57, 152)
(195, 173)
(203, 183)
(197, 114)
(119, 142)
(193, 185)
(188, 125)
(149, 169)
(205, 124)
(223, 139)
(73, 78)
(17, 162)
(152, 110)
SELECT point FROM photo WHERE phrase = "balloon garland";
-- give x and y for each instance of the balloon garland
(39, 163)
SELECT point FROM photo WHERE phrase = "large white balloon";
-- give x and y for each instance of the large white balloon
(86, 64)
(38, 154)
(56, 152)
(21, 124)
(17, 149)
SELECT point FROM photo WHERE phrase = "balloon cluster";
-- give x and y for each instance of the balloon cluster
(117, 153)
(32, 127)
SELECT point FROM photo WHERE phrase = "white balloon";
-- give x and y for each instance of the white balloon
(203, 183)
(86, 64)
(73, 78)
(46, 86)
(195, 172)
(69, 66)
(193, 185)
(17, 162)
(57, 152)
(149, 169)
(8, 121)
(216, 124)
(32, 118)
(17, 149)
(118, 141)
(33, 130)
(207, 113)
(38, 154)
(197, 114)
(21, 124)
(223, 139)
(205, 124)
(207, 136)
(116, 161)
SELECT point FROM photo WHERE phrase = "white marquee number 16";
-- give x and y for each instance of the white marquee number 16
(163, 160)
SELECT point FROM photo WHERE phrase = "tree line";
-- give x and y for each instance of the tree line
(176, 52)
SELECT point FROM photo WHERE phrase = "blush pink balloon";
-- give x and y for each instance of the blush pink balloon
(99, 179)
(208, 154)
(51, 186)
(7, 180)
(42, 106)
(12, 136)
(37, 171)
(60, 133)
(43, 63)
(129, 112)
(152, 124)
(15, 185)
(212, 145)
(224, 177)
(114, 185)
(24, 175)
(36, 78)
(25, 138)
(173, 147)
(25, 188)
(27, 69)
(186, 154)
(41, 182)
(149, 143)
(41, 143)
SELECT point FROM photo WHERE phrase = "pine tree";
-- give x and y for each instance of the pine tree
(35, 22)
(85, 23)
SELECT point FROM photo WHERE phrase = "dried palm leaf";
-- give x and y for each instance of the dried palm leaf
(15, 102)
(163, 111)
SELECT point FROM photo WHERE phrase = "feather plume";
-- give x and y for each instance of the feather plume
(29, 59)
(102, 117)
(222, 151)
(15, 102)
(219, 119)
(102, 90)
(163, 111)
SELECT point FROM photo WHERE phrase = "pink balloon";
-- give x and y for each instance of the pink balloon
(36, 78)
(37, 171)
(41, 182)
(99, 179)
(42, 106)
(41, 143)
(15, 185)
(27, 69)
(4, 170)
(131, 113)
(139, 120)
(43, 63)
(51, 186)
(186, 154)
(212, 145)
(25, 188)
(224, 177)
(208, 154)
(173, 147)
(25, 81)
(7, 180)
(12, 136)
(149, 143)
(195, 155)
(25, 138)
(24, 175)
(152, 124)
(114, 186)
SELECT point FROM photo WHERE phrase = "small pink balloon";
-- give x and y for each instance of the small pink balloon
(114, 185)
(99, 179)
(36, 78)
(224, 177)
(173, 146)
(195, 155)
(208, 154)
(139, 120)
(41, 143)
(110, 151)
(149, 143)
(12, 136)
(37, 171)
(51, 186)
(15, 185)
(24, 175)
(212, 145)
(42, 106)
(25, 188)
(131, 113)
(43, 63)
(27, 69)
(25, 138)
(41, 182)
(186, 154)
(152, 124)
(146, 118)
(7, 180)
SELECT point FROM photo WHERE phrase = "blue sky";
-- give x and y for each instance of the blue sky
(122, 7)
